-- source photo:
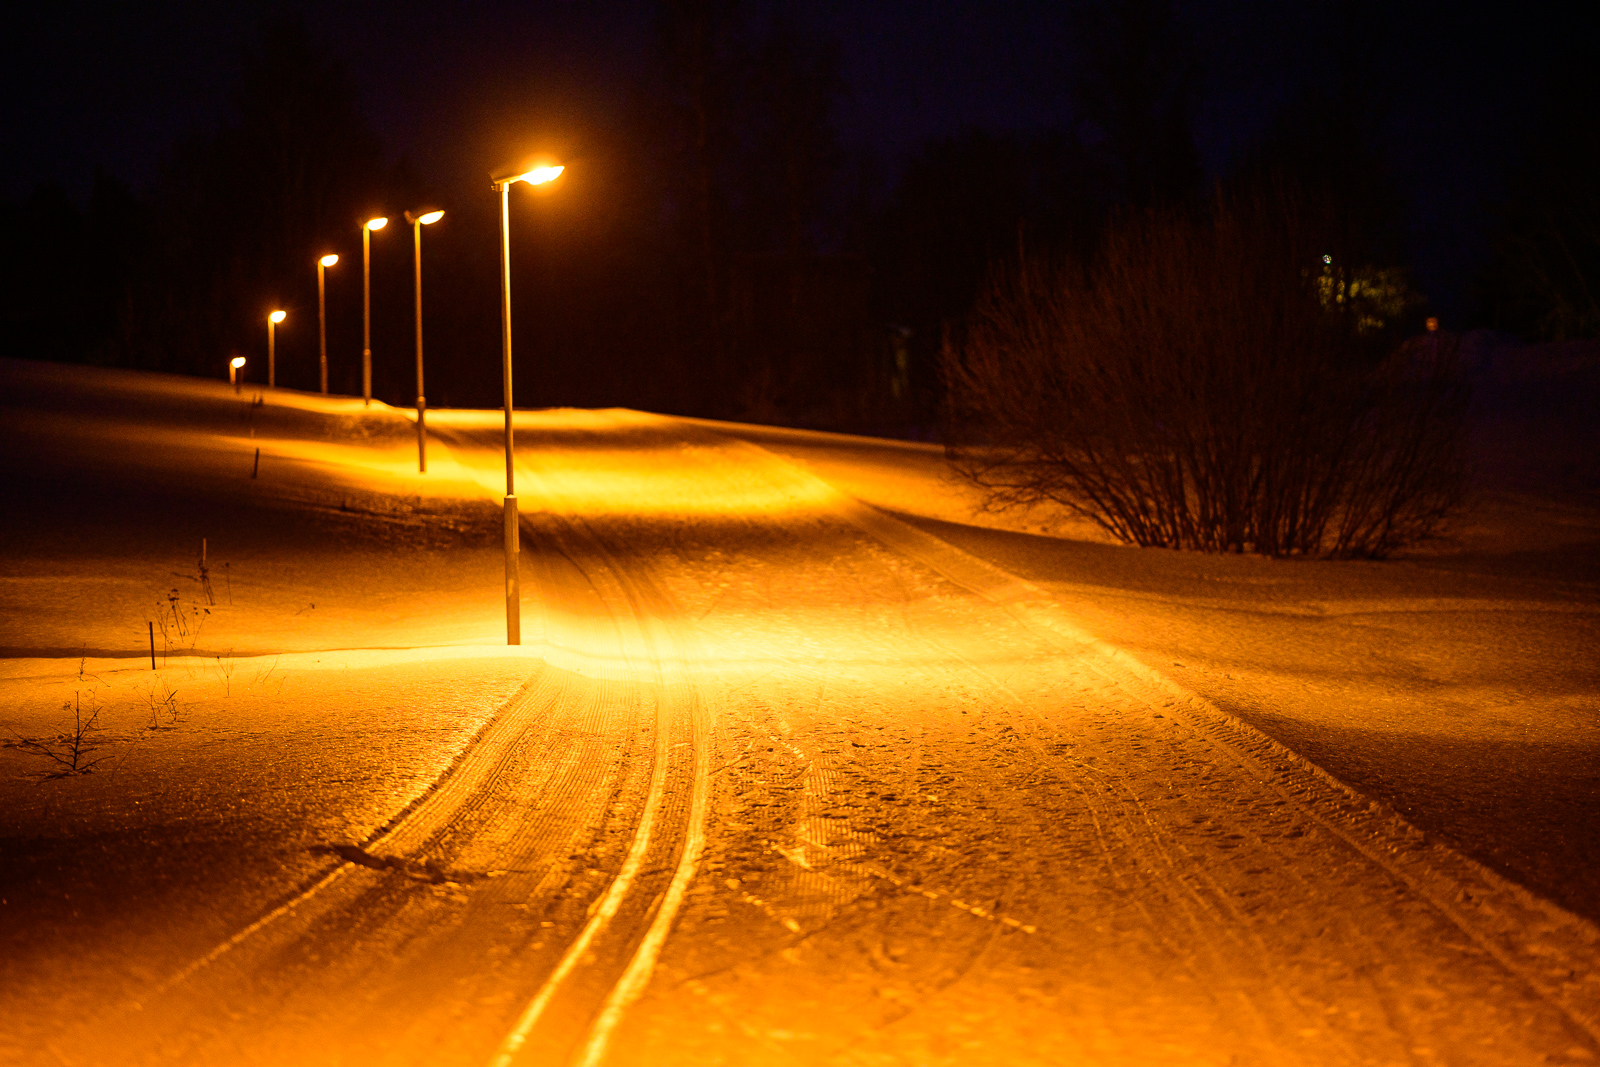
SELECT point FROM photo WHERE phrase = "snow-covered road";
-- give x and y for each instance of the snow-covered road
(790, 781)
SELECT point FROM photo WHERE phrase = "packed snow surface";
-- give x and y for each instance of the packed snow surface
(804, 759)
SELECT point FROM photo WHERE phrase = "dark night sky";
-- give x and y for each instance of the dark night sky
(115, 85)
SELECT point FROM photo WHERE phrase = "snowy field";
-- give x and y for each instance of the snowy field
(928, 785)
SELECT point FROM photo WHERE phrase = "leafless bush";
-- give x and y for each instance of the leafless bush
(1193, 388)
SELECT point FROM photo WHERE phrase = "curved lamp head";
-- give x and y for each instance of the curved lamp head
(277, 316)
(376, 224)
(424, 217)
(540, 175)
(236, 362)
(533, 175)
(328, 260)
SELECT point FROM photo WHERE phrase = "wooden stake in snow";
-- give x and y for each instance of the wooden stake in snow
(205, 574)
(257, 468)
(152, 644)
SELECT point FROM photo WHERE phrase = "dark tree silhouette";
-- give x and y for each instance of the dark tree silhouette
(1135, 84)
(749, 193)
(240, 214)
(64, 282)
(1544, 279)
(962, 205)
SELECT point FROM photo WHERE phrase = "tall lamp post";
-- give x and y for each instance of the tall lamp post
(503, 181)
(418, 221)
(366, 305)
(272, 348)
(236, 373)
(322, 316)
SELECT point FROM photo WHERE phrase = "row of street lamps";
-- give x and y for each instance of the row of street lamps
(502, 180)
(417, 220)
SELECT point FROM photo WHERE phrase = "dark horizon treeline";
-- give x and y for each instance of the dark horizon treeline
(713, 249)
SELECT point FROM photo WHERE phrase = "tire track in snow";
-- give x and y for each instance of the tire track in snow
(383, 938)
(1209, 926)
(481, 761)
(667, 650)
(640, 622)
(1553, 951)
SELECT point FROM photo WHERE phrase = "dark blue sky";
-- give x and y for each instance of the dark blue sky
(115, 85)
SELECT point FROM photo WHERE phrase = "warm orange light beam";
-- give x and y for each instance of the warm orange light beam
(540, 175)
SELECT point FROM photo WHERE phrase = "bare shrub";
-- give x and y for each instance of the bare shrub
(1194, 388)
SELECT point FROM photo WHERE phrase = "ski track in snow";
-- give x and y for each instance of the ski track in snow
(800, 783)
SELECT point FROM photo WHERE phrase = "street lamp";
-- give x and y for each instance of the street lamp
(272, 348)
(236, 373)
(366, 305)
(503, 181)
(322, 316)
(417, 223)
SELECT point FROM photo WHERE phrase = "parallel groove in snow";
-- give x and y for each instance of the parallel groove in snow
(1552, 950)
(653, 643)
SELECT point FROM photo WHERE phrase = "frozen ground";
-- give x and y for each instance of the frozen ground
(777, 777)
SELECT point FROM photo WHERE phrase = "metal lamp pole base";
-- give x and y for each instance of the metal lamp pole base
(422, 435)
(513, 576)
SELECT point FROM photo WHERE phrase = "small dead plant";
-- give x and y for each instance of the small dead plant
(180, 623)
(225, 666)
(68, 751)
(163, 707)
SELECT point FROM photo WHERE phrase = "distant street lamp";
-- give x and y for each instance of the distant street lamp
(272, 348)
(366, 305)
(417, 223)
(503, 180)
(322, 316)
(236, 373)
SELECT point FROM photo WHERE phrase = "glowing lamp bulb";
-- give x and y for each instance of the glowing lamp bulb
(377, 224)
(430, 217)
(328, 260)
(540, 175)
(278, 316)
(236, 362)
